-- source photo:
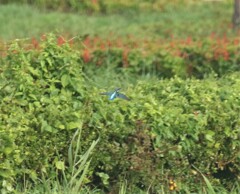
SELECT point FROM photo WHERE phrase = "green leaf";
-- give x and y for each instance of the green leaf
(46, 127)
(65, 80)
(60, 165)
(73, 125)
(8, 186)
(104, 177)
(49, 62)
(7, 150)
(5, 173)
(33, 175)
(209, 135)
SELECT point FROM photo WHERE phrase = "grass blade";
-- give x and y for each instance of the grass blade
(209, 185)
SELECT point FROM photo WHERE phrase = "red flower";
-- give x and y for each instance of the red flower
(102, 46)
(225, 55)
(109, 43)
(87, 41)
(236, 42)
(188, 41)
(60, 41)
(35, 43)
(125, 57)
(96, 40)
(86, 56)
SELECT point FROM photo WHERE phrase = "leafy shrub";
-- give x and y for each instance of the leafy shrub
(168, 126)
(41, 103)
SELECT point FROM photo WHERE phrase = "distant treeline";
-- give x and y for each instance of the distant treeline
(101, 6)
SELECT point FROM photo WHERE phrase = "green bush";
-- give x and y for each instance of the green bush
(41, 103)
(168, 126)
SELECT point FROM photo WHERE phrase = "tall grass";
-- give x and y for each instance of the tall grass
(74, 175)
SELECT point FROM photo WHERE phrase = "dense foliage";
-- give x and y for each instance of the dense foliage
(41, 100)
(169, 126)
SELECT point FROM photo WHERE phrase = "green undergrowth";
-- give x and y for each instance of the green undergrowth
(173, 130)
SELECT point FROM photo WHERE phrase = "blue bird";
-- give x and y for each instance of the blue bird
(115, 94)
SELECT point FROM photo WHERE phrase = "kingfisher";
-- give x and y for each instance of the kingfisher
(115, 94)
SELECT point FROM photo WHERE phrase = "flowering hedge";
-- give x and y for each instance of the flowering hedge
(161, 58)
(184, 58)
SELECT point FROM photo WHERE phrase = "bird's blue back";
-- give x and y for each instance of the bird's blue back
(113, 95)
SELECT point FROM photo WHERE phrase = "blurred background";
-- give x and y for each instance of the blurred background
(113, 18)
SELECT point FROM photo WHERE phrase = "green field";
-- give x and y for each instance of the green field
(196, 21)
(177, 63)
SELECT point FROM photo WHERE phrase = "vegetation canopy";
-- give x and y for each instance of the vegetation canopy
(168, 126)
(65, 125)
